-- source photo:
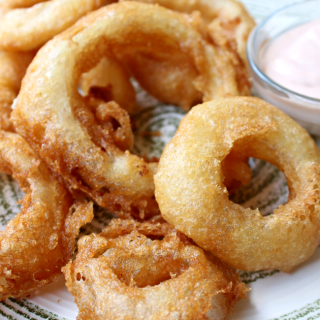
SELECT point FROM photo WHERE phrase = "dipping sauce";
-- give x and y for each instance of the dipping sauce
(293, 59)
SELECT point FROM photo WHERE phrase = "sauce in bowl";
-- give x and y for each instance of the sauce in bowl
(293, 59)
(284, 62)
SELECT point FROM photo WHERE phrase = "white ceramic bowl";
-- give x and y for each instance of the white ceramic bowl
(305, 110)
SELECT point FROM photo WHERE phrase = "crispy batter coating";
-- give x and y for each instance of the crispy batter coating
(109, 81)
(229, 15)
(119, 227)
(173, 78)
(28, 24)
(40, 240)
(149, 271)
(113, 120)
(63, 130)
(192, 196)
(13, 66)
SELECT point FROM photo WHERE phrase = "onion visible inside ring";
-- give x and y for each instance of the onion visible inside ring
(267, 190)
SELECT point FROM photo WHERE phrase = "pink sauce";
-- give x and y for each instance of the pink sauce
(293, 59)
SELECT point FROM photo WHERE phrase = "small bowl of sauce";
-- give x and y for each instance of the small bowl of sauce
(284, 62)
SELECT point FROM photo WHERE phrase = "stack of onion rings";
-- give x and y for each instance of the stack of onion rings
(85, 141)
(63, 130)
(144, 270)
(191, 193)
(40, 240)
(127, 273)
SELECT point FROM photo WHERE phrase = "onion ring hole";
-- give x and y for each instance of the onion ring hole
(95, 136)
(232, 131)
(266, 190)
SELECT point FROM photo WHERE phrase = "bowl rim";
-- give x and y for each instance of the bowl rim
(257, 70)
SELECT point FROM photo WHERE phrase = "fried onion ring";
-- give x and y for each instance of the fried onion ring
(173, 79)
(61, 128)
(127, 272)
(228, 15)
(13, 67)
(40, 240)
(227, 28)
(24, 28)
(191, 193)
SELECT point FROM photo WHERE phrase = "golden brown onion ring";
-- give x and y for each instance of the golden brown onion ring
(127, 272)
(13, 66)
(191, 193)
(173, 79)
(230, 15)
(62, 129)
(40, 240)
(25, 29)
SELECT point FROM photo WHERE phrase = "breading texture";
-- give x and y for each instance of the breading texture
(149, 271)
(109, 81)
(40, 240)
(192, 196)
(172, 79)
(69, 136)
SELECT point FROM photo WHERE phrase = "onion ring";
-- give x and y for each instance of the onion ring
(41, 238)
(126, 273)
(25, 29)
(192, 196)
(63, 131)
(13, 67)
(15, 4)
(173, 79)
(229, 16)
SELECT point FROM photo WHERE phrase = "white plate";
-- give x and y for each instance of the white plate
(274, 295)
